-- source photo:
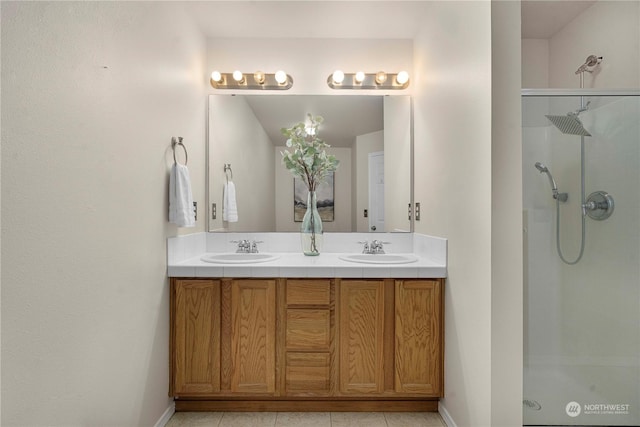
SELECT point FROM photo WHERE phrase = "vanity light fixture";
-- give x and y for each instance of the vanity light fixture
(257, 80)
(361, 80)
(237, 76)
(381, 77)
(402, 77)
(258, 76)
(337, 77)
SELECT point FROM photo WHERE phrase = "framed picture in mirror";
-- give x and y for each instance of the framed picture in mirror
(325, 199)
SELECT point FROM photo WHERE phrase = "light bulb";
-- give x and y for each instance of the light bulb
(402, 77)
(359, 76)
(381, 77)
(216, 76)
(337, 77)
(258, 76)
(281, 77)
(237, 76)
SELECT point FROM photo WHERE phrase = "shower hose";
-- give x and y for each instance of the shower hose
(584, 214)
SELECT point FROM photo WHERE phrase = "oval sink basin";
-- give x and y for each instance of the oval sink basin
(380, 258)
(238, 258)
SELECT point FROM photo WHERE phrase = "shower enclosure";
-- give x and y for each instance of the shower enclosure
(581, 216)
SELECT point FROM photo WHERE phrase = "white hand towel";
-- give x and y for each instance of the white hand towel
(229, 205)
(180, 198)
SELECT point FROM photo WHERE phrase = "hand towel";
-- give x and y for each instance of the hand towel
(180, 198)
(229, 205)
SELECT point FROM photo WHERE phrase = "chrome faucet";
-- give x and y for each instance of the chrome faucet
(376, 247)
(246, 247)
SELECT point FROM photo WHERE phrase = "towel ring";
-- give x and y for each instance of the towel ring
(227, 168)
(178, 141)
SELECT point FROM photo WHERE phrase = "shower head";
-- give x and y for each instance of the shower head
(554, 188)
(569, 124)
(591, 61)
(542, 168)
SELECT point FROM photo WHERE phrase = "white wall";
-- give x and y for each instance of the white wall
(239, 139)
(610, 29)
(452, 127)
(92, 93)
(342, 187)
(364, 145)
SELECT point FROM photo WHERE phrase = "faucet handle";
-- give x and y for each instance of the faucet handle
(366, 249)
(254, 246)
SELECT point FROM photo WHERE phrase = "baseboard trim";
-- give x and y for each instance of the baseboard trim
(307, 405)
(446, 416)
(166, 416)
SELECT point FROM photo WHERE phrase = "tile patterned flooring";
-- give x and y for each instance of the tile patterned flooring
(306, 419)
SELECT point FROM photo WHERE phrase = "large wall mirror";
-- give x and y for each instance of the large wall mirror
(370, 135)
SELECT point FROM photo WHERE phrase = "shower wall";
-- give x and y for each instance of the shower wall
(582, 322)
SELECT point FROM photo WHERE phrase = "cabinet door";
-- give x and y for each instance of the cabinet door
(253, 336)
(196, 337)
(418, 337)
(361, 329)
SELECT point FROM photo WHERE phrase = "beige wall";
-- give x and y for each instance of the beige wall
(92, 93)
(452, 126)
(506, 217)
(237, 138)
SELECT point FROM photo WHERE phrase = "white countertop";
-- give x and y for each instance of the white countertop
(299, 265)
(185, 252)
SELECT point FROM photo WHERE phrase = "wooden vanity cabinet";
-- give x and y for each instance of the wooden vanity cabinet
(391, 337)
(306, 344)
(223, 336)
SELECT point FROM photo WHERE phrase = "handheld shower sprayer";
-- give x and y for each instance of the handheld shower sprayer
(563, 197)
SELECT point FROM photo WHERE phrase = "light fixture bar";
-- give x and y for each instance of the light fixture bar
(350, 81)
(251, 81)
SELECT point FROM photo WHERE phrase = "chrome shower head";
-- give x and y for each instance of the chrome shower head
(569, 124)
(591, 61)
(542, 168)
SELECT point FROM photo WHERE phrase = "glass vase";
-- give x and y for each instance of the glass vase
(311, 229)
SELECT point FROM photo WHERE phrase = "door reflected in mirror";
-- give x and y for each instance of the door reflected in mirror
(370, 135)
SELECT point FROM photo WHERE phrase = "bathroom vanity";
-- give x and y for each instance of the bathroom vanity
(267, 339)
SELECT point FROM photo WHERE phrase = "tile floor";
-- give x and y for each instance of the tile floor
(306, 419)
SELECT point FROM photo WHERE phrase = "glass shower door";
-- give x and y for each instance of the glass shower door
(582, 258)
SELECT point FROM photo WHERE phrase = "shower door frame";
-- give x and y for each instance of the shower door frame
(551, 93)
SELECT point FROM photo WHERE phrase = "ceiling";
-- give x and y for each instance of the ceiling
(345, 117)
(542, 19)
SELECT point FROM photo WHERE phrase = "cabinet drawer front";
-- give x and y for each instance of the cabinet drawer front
(307, 372)
(308, 292)
(308, 329)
